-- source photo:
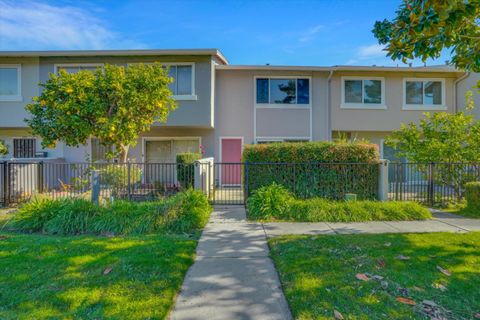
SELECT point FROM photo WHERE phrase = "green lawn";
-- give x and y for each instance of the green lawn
(51, 277)
(319, 274)
(464, 211)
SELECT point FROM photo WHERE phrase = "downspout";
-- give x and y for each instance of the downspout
(329, 106)
(455, 103)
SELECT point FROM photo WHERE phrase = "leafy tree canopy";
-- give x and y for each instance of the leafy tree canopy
(3, 148)
(423, 28)
(114, 104)
(440, 137)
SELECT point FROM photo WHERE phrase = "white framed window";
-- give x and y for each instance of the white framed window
(183, 85)
(281, 92)
(183, 74)
(424, 94)
(75, 67)
(10, 82)
(363, 93)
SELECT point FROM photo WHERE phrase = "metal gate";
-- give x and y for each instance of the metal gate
(228, 183)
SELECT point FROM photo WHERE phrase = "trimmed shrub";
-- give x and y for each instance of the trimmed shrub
(314, 169)
(188, 211)
(472, 195)
(288, 208)
(269, 202)
(186, 169)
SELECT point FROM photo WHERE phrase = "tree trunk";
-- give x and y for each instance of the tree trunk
(124, 153)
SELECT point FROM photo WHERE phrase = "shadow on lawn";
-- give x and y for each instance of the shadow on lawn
(50, 276)
(318, 273)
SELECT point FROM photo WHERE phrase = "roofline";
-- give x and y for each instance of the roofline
(340, 68)
(101, 53)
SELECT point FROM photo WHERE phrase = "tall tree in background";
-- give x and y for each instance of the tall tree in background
(423, 28)
(114, 104)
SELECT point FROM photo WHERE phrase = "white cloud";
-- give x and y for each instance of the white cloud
(372, 51)
(311, 33)
(30, 25)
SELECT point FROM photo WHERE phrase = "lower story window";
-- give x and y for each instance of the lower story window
(24, 147)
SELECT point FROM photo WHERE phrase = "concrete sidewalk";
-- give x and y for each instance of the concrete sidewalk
(442, 222)
(232, 277)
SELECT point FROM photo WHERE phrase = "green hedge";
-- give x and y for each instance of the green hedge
(185, 212)
(186, 169)
(274, 202)
(472, 195)
(314, 169)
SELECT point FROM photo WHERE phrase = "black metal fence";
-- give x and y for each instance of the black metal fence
(232, 183)
(133, 181)
(430, 183)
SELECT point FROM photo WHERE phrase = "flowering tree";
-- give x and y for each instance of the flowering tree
(114, 104)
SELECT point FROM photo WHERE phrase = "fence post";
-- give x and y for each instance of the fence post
(40, 177)
(5, 183)
(197, 174)
(383, 180)
(129, 189)
(431, 186)
(245, 183)
(95, 186)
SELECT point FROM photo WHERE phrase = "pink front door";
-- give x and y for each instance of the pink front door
(231, 168)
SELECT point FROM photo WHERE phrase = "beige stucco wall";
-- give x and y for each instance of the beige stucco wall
(468, 85)
(7, 135)
(236, 114)
(189, 112)
(13, 113)
(390, 118)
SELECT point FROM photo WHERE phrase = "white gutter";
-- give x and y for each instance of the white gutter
(329, 102)
(455, 103)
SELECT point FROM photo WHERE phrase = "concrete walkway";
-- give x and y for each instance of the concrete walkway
(442, 222)
(232, 277)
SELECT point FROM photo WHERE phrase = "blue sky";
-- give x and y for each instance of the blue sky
(247, 32)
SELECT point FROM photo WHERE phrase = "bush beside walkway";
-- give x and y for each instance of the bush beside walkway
(275, 203)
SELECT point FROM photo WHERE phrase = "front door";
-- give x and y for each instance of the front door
(231, 154)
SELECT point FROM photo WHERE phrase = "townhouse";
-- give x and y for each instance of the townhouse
(223, 106)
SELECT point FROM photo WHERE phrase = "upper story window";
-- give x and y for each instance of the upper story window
(420, 94)
(291, 91)
(75, 67)
(10, 83)
(183, 74)
(367, 93)
(183, 82)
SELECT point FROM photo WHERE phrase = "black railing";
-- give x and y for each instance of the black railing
(434, 183)
(133, 181)
(233, 183)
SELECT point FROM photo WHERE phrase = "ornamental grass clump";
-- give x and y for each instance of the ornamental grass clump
(274, 202)
(186, 212)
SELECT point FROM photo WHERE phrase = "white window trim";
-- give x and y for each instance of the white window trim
(18, 97)
(423, 107)
(179, 97)
(282, 105)
(362, 105)
(66, 65)
(280, 139)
